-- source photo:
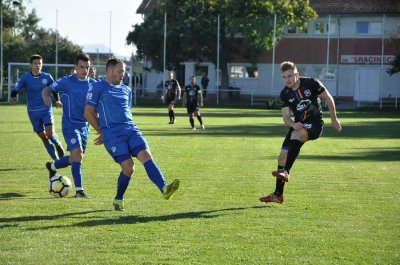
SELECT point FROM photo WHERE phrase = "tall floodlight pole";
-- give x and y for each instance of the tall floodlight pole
(165, 43)
(1, 54)
(56, 44)
(273, 58)
(218, 25)
(109, 39)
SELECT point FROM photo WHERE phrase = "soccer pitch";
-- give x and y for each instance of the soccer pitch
(341, 204)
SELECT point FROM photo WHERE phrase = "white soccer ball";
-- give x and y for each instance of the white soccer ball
(59, 185)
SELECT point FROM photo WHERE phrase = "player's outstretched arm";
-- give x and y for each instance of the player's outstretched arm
(332, 110)
(91, 116)
(46, 96)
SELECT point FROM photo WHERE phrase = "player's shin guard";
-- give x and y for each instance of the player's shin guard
(155, 175)
(76, 170)
(293, 152)
(122, 186)
(279, 187)
(61, 163)
(55, 140)
(51, 150)
(200, 119)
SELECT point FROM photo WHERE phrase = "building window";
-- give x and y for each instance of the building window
(296, 30)
(324, 73)
(243, 71)
(201, 70)
(323, 27)
(369, 28)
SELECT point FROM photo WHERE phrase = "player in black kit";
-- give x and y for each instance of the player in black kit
(301, 95)
(193, 98)
(171, 92)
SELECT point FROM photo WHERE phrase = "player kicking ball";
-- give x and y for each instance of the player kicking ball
(108, 110)
(301, 95)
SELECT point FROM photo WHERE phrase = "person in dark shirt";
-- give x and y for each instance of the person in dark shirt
(302, 96)
(193, 98)
(171, 92)
(204, 84)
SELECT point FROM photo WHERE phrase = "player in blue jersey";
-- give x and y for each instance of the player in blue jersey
(171, 93)
(74, 125)
(40, 115)
(108, 110)
(302, 96)
(193, 98)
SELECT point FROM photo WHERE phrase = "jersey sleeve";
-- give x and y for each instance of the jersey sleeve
(93, 94)
(284, 99)
(58, 85)
(318, 86)
(19, 85)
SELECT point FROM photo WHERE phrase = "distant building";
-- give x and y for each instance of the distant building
(346, 47)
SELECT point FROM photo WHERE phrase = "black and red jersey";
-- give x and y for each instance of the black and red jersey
(304, 101)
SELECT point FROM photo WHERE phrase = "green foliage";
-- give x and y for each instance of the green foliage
(395, 66)
(341, 203)
(23, 37)
(192, 29)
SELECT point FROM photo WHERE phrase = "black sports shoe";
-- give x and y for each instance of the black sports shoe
(81, 194)
(60, 151)
(51, 171)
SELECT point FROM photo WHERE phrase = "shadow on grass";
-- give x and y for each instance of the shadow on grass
(171, 217)
(10, 195)
(367, 154)
(368, 130)
(7, 221)
(131, 219)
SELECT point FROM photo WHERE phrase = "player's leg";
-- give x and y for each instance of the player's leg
(277, 195)
(191, 120)
(141, 150)
(48, 121)
(199, 118)
(53, 137)
(38, 128)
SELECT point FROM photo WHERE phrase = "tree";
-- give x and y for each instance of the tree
(23, 37)
(395, 35)
(192, 30)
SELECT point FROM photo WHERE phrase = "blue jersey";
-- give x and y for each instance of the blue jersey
(112, 103)
(73, 97)
(34, 86)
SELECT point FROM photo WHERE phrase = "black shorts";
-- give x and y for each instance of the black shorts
(192, 108)
(170, 100)
(314, 131)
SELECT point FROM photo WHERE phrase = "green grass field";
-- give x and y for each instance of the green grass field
(341, 204)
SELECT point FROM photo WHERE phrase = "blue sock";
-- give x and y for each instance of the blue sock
(63, 162)
(123, 183)
(55, 140)
(51, 150)
(154, 173)
(77, 175)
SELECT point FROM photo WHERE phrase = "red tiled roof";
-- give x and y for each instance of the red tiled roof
(371, 7)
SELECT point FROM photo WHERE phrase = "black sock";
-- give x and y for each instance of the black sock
(173, 115)
(200, 120)
(280, 167)
(191, 122)
(170, 114)
(293, 152)
(279, 187)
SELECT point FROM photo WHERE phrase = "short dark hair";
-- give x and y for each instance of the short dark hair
(112, 62)
(82, 57)
(288, 65)
(35, 57)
